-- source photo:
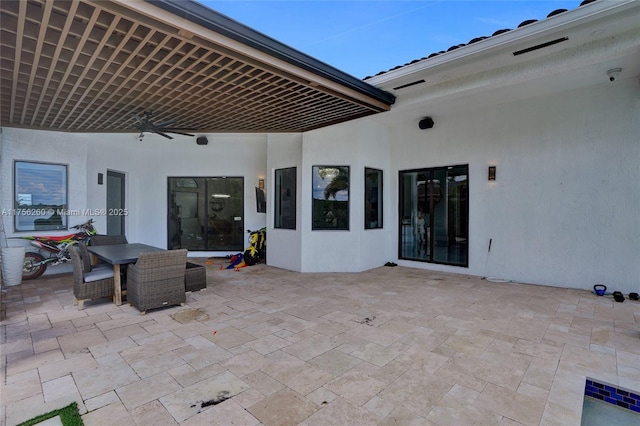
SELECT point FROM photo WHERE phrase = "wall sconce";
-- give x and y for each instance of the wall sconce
(261, 184)
(426, 123)
(492, 172)
(100, 178)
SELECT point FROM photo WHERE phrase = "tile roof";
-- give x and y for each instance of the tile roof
(477, 39)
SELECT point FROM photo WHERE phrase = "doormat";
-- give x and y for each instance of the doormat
(69, 416)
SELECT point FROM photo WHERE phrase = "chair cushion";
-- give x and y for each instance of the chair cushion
(102, 266)
(98, 274)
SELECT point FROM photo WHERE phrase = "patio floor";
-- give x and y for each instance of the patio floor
(390, 346)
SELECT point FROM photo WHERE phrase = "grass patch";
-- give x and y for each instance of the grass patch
(69, 416)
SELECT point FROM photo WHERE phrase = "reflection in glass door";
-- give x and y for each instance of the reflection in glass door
(115, 203)
(206, 213)
(434, 215)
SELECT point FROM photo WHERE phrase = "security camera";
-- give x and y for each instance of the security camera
(614, 74)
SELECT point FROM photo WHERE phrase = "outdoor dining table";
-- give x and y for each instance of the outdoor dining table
(120, 254)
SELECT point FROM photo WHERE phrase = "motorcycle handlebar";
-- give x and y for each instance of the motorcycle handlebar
(83, 225)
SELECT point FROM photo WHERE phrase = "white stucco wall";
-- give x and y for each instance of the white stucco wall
(46, 147)
(356, 144)
(284, 248)
(564, 208)
(146, 164)
(562, 212)
(149, 162)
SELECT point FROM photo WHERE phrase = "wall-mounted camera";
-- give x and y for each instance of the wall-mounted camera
(614, 74)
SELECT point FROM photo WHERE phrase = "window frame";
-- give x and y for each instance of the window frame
(318, 184)
(380, 201)
(278, 219)
(404, 202)
(229, 235)
(42, 210)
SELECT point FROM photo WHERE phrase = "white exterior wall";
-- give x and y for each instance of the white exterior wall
(47, 147)
(564, 208)
(356, 144)
(146, 164)
(149, 162)
(284, 246)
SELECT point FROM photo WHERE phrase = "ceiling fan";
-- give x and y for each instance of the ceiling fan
(145, 124)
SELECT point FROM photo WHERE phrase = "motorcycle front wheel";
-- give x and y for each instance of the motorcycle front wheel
(33, 266)
(250, 257)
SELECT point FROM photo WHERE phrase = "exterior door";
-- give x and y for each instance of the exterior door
(206, 213)
(434, 215)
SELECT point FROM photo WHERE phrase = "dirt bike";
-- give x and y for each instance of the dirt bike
(257, 250)
(55, 247)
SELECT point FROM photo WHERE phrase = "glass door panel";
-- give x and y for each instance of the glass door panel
(414, 216)
(115, 203)
(225, 214)
(186, 213)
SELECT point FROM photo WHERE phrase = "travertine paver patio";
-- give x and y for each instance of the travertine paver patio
(268, 346)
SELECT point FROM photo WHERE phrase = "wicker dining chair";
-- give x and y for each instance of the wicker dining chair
(85, 256)
(90, 285)
(107, 240)
(157, 279)
(103, 240)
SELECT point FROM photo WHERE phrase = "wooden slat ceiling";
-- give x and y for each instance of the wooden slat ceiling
(90, 66)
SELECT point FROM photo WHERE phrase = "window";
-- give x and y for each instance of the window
(434, 215)
(372, 198)
(330, 197)
(285, 198)
(40, 196)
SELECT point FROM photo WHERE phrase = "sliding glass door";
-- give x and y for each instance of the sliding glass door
(434, 215)
(206, 213)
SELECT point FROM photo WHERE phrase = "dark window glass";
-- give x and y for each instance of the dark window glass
(372, 198)
(285, 198)
(434, 215)
(40, 196)
(206, 213)
(330, 197)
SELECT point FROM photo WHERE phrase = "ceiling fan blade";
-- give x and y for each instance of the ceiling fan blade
(162, 134)
(178, 133)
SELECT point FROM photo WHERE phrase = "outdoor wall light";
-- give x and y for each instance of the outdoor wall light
(492, 172)
(426, 123)
(261, 184)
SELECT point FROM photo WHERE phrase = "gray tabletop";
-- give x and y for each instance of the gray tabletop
(121, 253)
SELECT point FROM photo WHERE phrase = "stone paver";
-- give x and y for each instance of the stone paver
(268, 346)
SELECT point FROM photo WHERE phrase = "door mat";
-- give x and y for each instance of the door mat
(69, 416)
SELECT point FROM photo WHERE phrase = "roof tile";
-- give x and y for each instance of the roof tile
(478, 39)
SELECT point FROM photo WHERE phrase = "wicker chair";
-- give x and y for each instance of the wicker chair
(157, 280)
(85, 257)
(103, 240)
(91, 284)
(106, 240)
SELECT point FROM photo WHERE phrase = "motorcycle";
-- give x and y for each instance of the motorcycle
(257, 250)
(55, 247)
